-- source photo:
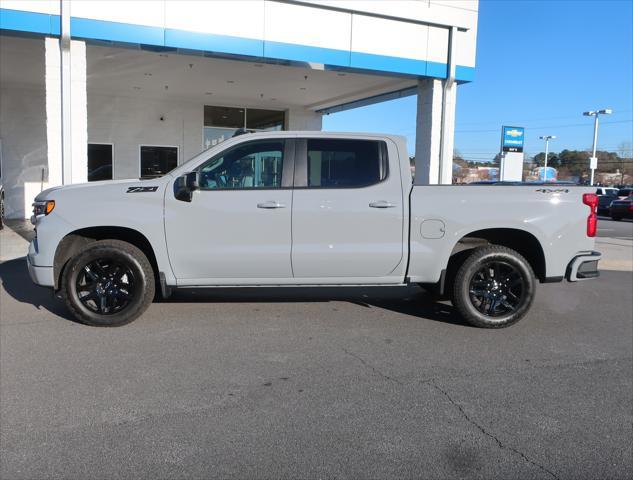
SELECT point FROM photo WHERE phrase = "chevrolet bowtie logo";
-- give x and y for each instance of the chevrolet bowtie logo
(514, 133)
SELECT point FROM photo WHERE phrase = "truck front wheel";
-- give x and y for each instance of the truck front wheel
(109, 284)
(494, 287)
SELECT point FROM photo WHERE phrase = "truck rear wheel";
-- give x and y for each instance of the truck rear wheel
(494, 287)
(109, 284)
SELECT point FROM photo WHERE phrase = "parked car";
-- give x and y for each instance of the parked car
(606, 191)
(622, 208)
(625, 192)
(605, 197)
(311, 209)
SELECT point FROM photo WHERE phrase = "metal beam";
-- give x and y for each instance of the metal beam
(363, 102)
(447, 132)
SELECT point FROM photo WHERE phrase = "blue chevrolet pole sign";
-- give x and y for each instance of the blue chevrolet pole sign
(512, 139)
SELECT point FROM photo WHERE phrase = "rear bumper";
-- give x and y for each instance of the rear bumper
(584, 267)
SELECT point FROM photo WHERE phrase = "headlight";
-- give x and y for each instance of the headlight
(43, 208)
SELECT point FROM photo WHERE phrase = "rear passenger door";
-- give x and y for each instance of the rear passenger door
(347, 211)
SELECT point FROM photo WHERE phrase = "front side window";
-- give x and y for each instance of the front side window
(334, 163)
(255, 164)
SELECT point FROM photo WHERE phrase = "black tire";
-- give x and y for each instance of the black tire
(617, 219)
(109, 284)
(481, 299)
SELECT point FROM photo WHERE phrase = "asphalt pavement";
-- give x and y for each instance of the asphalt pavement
(622, 230)
(327, 383)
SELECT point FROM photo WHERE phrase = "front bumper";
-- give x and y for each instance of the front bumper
(584, 267)
(43, 276)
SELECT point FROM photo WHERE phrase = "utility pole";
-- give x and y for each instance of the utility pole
(593, 161)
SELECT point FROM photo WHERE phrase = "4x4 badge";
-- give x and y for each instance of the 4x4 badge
(553, 190)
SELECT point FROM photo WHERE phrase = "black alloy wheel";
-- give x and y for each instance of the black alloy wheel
(105, 286)
(494, 287)
(108, 284)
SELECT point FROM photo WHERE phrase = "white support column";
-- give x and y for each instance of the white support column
(66, 113)
(435, 124)
(428, 132)
(299, 119)
(79, 113)
(53, 111)
(64, 49)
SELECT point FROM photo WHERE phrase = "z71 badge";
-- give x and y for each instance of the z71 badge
(141, 189)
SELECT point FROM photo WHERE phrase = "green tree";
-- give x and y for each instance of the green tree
(552, 159)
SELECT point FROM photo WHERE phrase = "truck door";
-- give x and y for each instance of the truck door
(237, 225)
(348, 212)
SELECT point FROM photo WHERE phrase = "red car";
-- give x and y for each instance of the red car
(622, 208)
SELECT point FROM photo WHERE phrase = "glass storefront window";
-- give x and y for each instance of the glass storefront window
(227, 117)
(257, 119)
(156, 161)
(221, 123)
(99, 161)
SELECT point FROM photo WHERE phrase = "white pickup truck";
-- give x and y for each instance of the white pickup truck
(309, 209)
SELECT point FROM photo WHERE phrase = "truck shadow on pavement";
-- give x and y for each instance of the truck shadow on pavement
(16, 283)
(411, 301)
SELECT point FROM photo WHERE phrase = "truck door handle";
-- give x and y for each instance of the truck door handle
(271, 204)
(382, 204)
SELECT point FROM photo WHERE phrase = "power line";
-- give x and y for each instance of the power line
(617, 112)
(548, 126)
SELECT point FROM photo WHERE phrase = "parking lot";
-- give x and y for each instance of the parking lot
(300, 383)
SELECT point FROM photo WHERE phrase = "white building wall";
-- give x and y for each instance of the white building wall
(23, 137)
(129, 122)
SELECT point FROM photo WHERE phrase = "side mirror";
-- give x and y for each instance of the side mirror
(185, 185)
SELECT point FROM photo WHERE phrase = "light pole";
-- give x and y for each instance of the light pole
(594, 160)
(547, 138)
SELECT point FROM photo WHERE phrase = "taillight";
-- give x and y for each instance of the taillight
(591, 200)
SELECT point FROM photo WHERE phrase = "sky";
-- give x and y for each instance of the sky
(540, 64)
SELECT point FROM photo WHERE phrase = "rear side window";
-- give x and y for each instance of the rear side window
(334, 163)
